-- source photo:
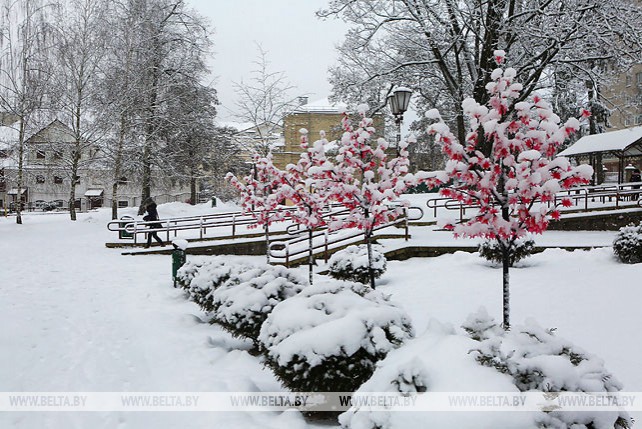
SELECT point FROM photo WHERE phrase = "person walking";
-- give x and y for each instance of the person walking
(152, 215)
(635, 177)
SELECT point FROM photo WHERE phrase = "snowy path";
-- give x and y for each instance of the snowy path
(76, 316)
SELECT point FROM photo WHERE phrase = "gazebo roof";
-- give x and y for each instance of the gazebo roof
(626, 142)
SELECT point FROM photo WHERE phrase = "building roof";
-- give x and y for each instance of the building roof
(322, 106)
(627, 142)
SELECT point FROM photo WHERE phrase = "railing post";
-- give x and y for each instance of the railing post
(233, 227)
(201, 227)
(168, 231)
(325, 252)
(175, 229)
(287, 256)
(135, 232)
(406, 222)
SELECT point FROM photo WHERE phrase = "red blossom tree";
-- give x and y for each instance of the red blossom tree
(367, 182)
(507, 166)
(307, 185)
(261, 194)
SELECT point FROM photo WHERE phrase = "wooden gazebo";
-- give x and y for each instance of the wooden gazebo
(623, 144)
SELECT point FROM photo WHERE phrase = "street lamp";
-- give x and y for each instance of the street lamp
(399, 101)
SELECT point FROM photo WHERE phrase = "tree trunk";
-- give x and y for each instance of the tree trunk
(367, 238)
(117, 167)
(21, 154)
(310, 257)
(267, 243)
(74, 175)
(192, 190)
(505, 289)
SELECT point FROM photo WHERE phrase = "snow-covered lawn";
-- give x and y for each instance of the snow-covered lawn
(76, 316)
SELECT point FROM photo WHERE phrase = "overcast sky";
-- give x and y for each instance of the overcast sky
(297, 43)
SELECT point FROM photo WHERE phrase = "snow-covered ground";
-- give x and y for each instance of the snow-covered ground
(76, 316)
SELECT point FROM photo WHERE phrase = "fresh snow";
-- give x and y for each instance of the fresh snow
(77, 316)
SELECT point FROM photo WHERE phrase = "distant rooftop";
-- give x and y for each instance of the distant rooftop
(321, 106)
(626, 141)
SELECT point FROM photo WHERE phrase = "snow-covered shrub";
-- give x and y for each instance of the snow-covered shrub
(187, 272)
(351, 264)
(537, 360)
(242, 304)
(436, 361)
(628, 244)
(330, 336)
(202, 277)
(491, 250)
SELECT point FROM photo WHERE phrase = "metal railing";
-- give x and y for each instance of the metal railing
(580, 198)
(132, 228)
(284, 250)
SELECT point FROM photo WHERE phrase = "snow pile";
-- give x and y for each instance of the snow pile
(628, 244)
(521, 248)
(352, 264)
(243, 302)
(330, 336)
(436, 361)
(537, 360)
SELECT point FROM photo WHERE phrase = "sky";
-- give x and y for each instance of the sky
(297, 43)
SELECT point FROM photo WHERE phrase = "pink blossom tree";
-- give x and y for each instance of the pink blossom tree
(368, 183)
(307, 185)
(507, 166)
(261, 194)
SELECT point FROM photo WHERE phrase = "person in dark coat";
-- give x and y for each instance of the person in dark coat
(636, 177)
(152, 215)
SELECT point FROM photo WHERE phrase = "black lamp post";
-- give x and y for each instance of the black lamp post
(399, 101)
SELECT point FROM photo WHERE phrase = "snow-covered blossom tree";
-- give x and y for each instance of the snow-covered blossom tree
(370, 182)
(516, 182)
(261, 194)
(308, 187)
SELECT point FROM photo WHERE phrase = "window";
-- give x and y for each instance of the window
(58, 180)
(627, 121)
(123, 181)
(76, 180)
(629, 80)
(638, 120)
(4, 153)
(123, 204)
(638, 78)
(41, 154)
(57, 154)
(40, 179)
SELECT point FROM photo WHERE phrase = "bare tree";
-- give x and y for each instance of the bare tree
(263, 101)
(24, 71)
(444, 49)
(82, 40)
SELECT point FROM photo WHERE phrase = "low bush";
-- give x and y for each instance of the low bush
(491, 250)
(330, 336)
(628, 244)
(351, 264)
(242, 304)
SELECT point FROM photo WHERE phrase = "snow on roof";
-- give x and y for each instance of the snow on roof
(321, 106)
(94, 193)
(238, 126)
(613, 141)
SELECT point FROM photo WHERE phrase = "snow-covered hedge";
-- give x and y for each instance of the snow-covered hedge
(330, 336)
(351, 264)
(491, 251)
(537, 360)
(527, 358)
(201, 277)
(436, 361)
(628, 244)
(242, 303)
